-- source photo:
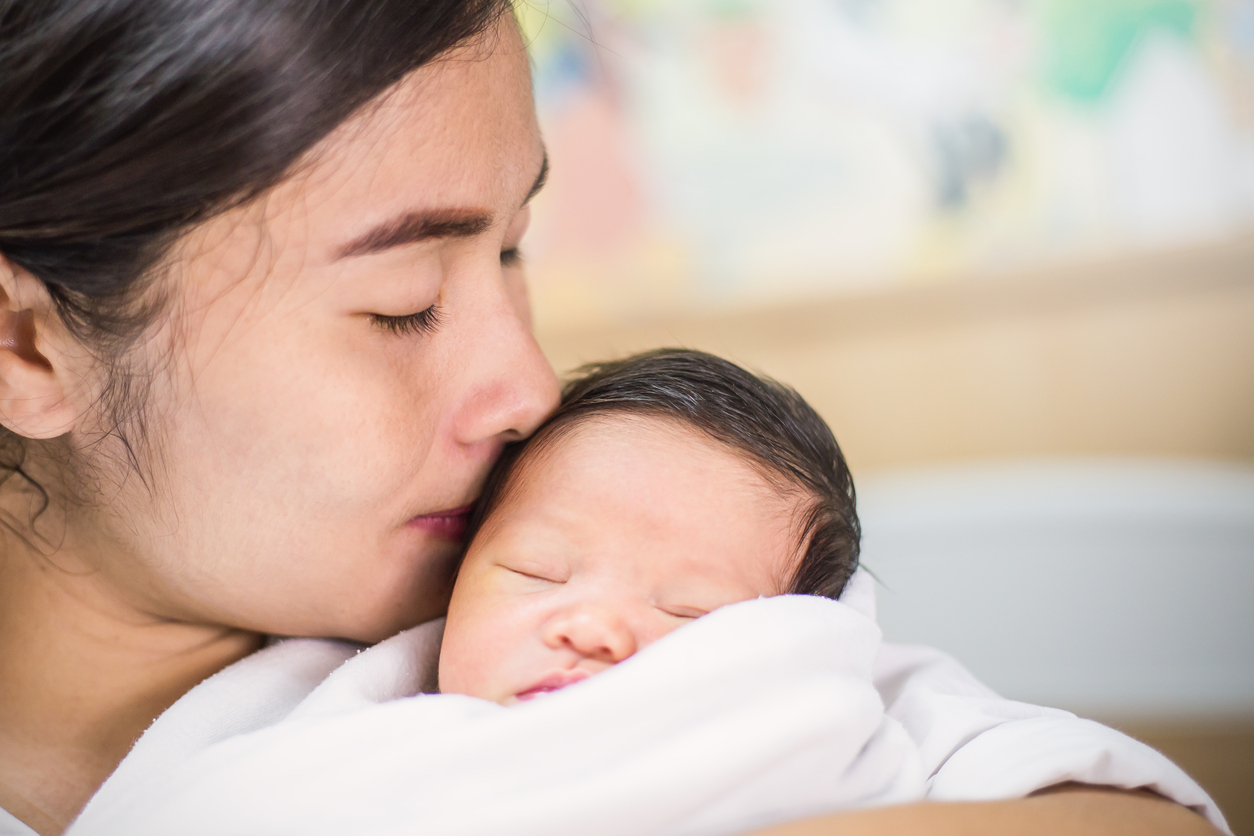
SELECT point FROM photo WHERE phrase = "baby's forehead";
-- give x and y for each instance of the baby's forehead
(647, 491)
(640, 442)
(644, 434)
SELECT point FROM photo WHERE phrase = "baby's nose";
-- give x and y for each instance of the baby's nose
(594, 632)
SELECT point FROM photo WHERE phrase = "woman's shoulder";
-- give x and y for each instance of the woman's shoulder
(286, 678)
(11, 826)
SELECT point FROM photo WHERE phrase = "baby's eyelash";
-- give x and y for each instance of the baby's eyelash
(423, 322)
(533, 575)
(511, 257)
(683, 612)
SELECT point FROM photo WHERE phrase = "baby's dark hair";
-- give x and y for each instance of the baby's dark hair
(763, 420)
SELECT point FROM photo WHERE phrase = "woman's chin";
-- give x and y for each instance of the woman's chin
(374, 598)
(402, 601)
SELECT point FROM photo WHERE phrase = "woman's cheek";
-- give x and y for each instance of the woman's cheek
(516, 287)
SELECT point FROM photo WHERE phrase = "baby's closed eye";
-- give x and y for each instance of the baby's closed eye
(538, 572)
(679, 611)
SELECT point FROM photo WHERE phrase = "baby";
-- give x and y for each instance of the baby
(665, 486)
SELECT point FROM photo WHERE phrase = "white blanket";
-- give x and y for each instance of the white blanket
(272, 744)
(760, 712)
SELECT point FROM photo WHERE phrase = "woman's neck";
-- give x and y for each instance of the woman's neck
(82, 674)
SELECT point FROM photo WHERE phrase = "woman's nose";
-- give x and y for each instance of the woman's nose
(515, 388)
(594, 632)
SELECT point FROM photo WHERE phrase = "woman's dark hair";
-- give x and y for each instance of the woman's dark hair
(125, 122)
(759, 418)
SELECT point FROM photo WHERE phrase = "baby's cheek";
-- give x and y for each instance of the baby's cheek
(456, 665)
(469, 658)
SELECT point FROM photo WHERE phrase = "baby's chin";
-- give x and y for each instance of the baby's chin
(543, 688)
(547, 686)
(496, 697)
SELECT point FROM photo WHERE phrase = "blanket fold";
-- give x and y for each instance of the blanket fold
(760, 712)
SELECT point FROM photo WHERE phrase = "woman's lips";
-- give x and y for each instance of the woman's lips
(552, 683)
(450, 524)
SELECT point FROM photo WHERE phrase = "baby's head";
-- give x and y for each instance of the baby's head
(666, 485)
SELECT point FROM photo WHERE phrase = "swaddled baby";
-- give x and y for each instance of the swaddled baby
(665, 486)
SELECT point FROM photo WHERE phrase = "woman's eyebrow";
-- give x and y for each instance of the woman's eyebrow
(541, 179)
(413, 227)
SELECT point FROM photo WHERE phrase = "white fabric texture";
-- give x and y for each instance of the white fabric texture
(764, 711)
(760, 712)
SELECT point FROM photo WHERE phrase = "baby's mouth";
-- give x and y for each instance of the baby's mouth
(554, 682)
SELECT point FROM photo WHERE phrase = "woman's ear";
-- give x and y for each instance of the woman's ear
(34, 399)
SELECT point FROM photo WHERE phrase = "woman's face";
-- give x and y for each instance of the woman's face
(341, 365)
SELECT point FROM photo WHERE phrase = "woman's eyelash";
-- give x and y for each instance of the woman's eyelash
(423, 322)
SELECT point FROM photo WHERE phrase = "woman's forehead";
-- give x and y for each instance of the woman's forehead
(457, 138)
(462, 127)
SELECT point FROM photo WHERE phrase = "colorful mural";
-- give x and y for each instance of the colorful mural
(712, 154)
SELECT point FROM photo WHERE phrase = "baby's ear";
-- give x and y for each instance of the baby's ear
(35, 348)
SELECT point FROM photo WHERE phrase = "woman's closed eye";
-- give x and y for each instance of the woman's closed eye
(423, 322)
(426, 321)
(511, 257)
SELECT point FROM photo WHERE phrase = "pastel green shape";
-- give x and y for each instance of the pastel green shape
(1086, 41)
(708, 9)
(732, 9)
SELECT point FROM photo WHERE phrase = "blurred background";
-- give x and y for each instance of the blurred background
(1006, 248)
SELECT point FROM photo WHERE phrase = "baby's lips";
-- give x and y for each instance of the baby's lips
(551, 683)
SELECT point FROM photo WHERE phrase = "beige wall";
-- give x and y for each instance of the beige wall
(1146, 356)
